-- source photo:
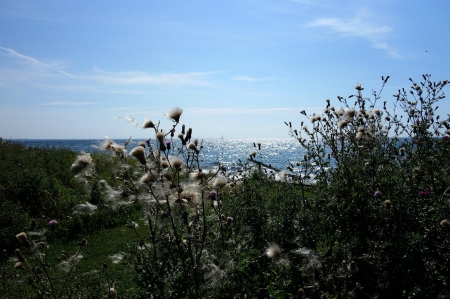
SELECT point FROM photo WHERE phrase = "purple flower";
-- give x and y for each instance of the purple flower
(230, 219)
(168, 145)
(213, 194)
(53, 223)
(446, 137)
(424, 193)
(377, 194)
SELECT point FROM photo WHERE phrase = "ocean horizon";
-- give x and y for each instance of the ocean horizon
(278, 152)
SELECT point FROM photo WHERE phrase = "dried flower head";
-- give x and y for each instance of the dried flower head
(342, 124)
(273, 251)
(19, 266)
(350, 113)
(358, 87)
(148, 124)
(139, 153)
(444, 222)
(148, 178)
(220, 182)
(19, 255)
(82, 163)
(160, 136)
(192, 147)
(387, 204)
(174, 114)
(314, 118)
(22, 237)
(176, 162)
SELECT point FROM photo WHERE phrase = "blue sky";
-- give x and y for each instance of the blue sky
(238, 68)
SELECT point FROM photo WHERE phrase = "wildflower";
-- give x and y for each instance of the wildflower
(424, 193)
(174, 114)
(387, 204)
(377, 194)
(252, 155)
(220, 182)
(352, 268)
(213, 194)
(139, 153)
(82, 242)
(230, 219)
(444, 222)
(168, 145)
(273, 251)
(82, 163)
(53, 223)
(148, 124)
(112, 291)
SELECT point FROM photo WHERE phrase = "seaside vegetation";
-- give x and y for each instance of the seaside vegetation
(150, 222)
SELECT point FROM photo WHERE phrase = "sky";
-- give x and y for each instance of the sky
(238, 68)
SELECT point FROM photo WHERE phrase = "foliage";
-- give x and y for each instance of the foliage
(384, 202)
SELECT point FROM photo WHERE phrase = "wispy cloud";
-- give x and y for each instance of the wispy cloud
(34, 62)
(66, 103)
(250, 79)
(359, 26)
(133, 78)
(230, 111)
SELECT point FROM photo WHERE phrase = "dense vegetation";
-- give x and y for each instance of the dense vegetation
(374, 224)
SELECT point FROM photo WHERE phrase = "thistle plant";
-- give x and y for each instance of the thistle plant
(381, 184)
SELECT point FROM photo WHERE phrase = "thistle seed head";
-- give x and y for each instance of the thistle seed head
(174, 114)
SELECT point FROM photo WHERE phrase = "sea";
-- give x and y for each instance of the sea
(276, 152)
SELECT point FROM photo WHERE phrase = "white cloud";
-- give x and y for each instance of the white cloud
(35, 62)
(361, 27)
(250, 79)
(134, 77)
(66, 103)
